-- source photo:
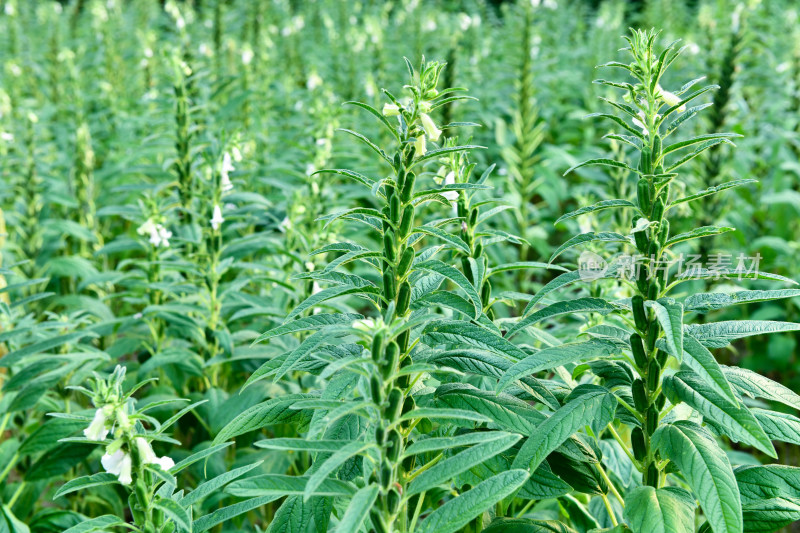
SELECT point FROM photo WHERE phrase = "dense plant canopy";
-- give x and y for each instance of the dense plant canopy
(399, 267)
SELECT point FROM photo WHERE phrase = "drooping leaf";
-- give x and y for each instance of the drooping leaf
(664, 510)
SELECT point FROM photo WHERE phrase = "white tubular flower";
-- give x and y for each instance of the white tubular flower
(216, 219)
(147, 227)
(419, 144)
(227, 167)
(149, 457)
(431, 131)
(452, 196)
(364, 324)
(391, 110)
(671, 99)
(640, 123)
(97, 429)
(118, 463)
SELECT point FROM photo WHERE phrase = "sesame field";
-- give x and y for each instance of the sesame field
(399, 266)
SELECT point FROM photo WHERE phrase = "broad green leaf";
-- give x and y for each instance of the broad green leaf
(301, 445)
(328, 294)
(442, 443)
(274, 411)
(85, 482)
(459, 511)
(702, 362)
(524, 265)
(697, 233)
(173, 511)
(332, 463)
(755, 385)
(603, 236)
(209, 487)
(439, 413)
(204, 523)
(712, 190)
(101, 523)
(578, 305)
(456, 277)
(664, 510)
(508, 412)
(465, 333)
(770, 496)
(358, 509)
(737, 422)
(605, 204)
(669, 314)
(720, 334)
(710, 301)
(309, 323)
(279, 485)
(199, 456)
(603, 162)
(526, 525)
(707, 471)
(555, 356)
(779, 426)
(449, 238)
(444, 471)
(594, 405)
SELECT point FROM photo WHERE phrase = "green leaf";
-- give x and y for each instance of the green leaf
(465, 333)
(770, 496)
(578, 305)
(736, 421)
(599, 206)
(526, 525)
(459, 511)
(669, 314)
(274, 411)
(444, 471)
(174, 512)
(209, 487)
(301, 445)
(664, 510)
(720, 334)
(588, 404)
(453, 240)
(328, 294)
(710, 301)
(279, 485)
(85, 482)
(456, 277)
(707, 471)
(556, 356)
(332, 463)
(602, 162)
(204, 523)
(583, 238)
(441, 443)
(369, 143)
(779, 426)
(369, 182)
(358, 509)
(702, 362)
(755, 385)
(508, 412)
(712, 190)
(438, 413)
(697, 233)
(376, 114)
(101, 523)
(198, 456)
(433, 154)
(309, 323)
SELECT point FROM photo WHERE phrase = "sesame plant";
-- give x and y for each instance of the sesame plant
(231, 303)
(658, 390)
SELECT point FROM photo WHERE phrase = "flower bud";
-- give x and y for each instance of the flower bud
(431, 131)
(391, 110)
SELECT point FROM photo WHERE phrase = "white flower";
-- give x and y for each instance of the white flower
(247, 56)
(6, 136)
(431, 131)
(671, 99)
(364, 324)
(149, 457)
(391, 110)
(419, 144)
(452, 196)
(138, 316)
(147, 227)
(216, 218)
(314, 81)
(118, 463)
(227, 167)
(97, 429)
(159, 235)
(285, 224)
(640, 123)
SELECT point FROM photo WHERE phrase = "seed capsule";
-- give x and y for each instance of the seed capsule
(393, 500)
(663, 232)
(651, 476)
(406, 259)
(486, 291)
(638, 444)
(652, 335)
(408, 187)
(662, 357)
(639, 356)
(407, 222)
(388, 246)
(390, 360)
(376, 388)
(395, 408)
(643, 194)
(403, 298)
(639, 314)
(394, 443)
(658, 209)
(377, 345)
(645, 162)
(473, 217)
(653, 375)
(394, 208)
(661, 401)
(641, 240)
(478, 250)
(640, 400)
(389, 285)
